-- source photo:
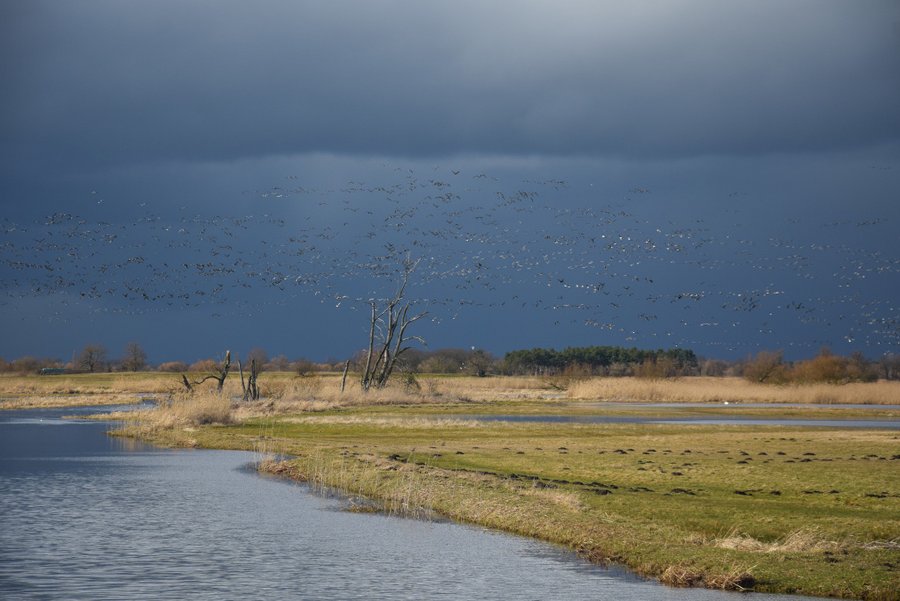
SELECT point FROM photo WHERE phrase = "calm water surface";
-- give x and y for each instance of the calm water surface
(86, 516)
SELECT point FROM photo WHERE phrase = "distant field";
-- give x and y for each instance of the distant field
(323, 390)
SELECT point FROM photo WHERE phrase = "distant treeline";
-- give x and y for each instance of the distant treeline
(768, 367)
(601, 360)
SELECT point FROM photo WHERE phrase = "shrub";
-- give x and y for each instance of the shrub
(828, 367)
(204, 365)
(656, 368)
(766, 367)
(192, 409)
(173, 366)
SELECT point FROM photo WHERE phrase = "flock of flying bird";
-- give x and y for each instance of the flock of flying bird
(548, 252)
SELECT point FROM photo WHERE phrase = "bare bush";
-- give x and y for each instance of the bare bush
(134, 359)
(173, 366)
(92, 358)
(766, 367)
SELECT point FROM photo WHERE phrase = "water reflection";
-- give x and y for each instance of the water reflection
(86, 516)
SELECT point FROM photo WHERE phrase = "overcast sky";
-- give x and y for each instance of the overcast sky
(765, 134)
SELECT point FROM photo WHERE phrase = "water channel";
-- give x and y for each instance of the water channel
(87, 516)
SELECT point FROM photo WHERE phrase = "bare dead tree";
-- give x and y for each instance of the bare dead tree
(92, 357)
(388, 335)
(251, 389)
(344, 375)
(221, 372)
(135, 358)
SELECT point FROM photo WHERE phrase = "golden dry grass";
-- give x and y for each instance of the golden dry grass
(428, 388)
(737, 579)
(703, 389)
(288, 393)
(75, 384)
(799, 541)
(325, 390)
(185, 410)
(41, 401)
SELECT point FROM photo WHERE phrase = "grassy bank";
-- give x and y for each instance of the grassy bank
(806, 510)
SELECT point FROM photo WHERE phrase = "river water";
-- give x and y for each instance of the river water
(87, 516)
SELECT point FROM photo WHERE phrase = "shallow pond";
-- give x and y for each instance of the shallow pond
(86, 516)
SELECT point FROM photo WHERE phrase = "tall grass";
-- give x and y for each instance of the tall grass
(324, 392)
(284, 392)
(702, 389)
(99, 383)
(186, 410)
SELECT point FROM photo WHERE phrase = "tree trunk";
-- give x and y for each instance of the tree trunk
(344, 377)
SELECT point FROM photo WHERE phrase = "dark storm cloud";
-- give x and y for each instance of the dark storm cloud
(714, 175)
(91, 84)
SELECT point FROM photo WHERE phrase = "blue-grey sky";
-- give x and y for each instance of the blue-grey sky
(206, 175)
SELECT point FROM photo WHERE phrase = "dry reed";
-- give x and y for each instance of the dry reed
(736, 390)
(737, 579)
(799, 541)
(181, 410)
(17, 384)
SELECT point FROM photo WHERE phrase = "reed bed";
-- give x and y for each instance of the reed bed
(732, 390)
(284, 393)
(85, 384)
(43, 401)
(323, 393)
(494, 388)
(184, 411)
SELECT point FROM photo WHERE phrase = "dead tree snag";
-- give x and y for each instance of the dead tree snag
(251, 389)
(388, 335)
(221, 372)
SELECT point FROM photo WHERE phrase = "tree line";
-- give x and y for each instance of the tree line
(602, 360)
(765, 367)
